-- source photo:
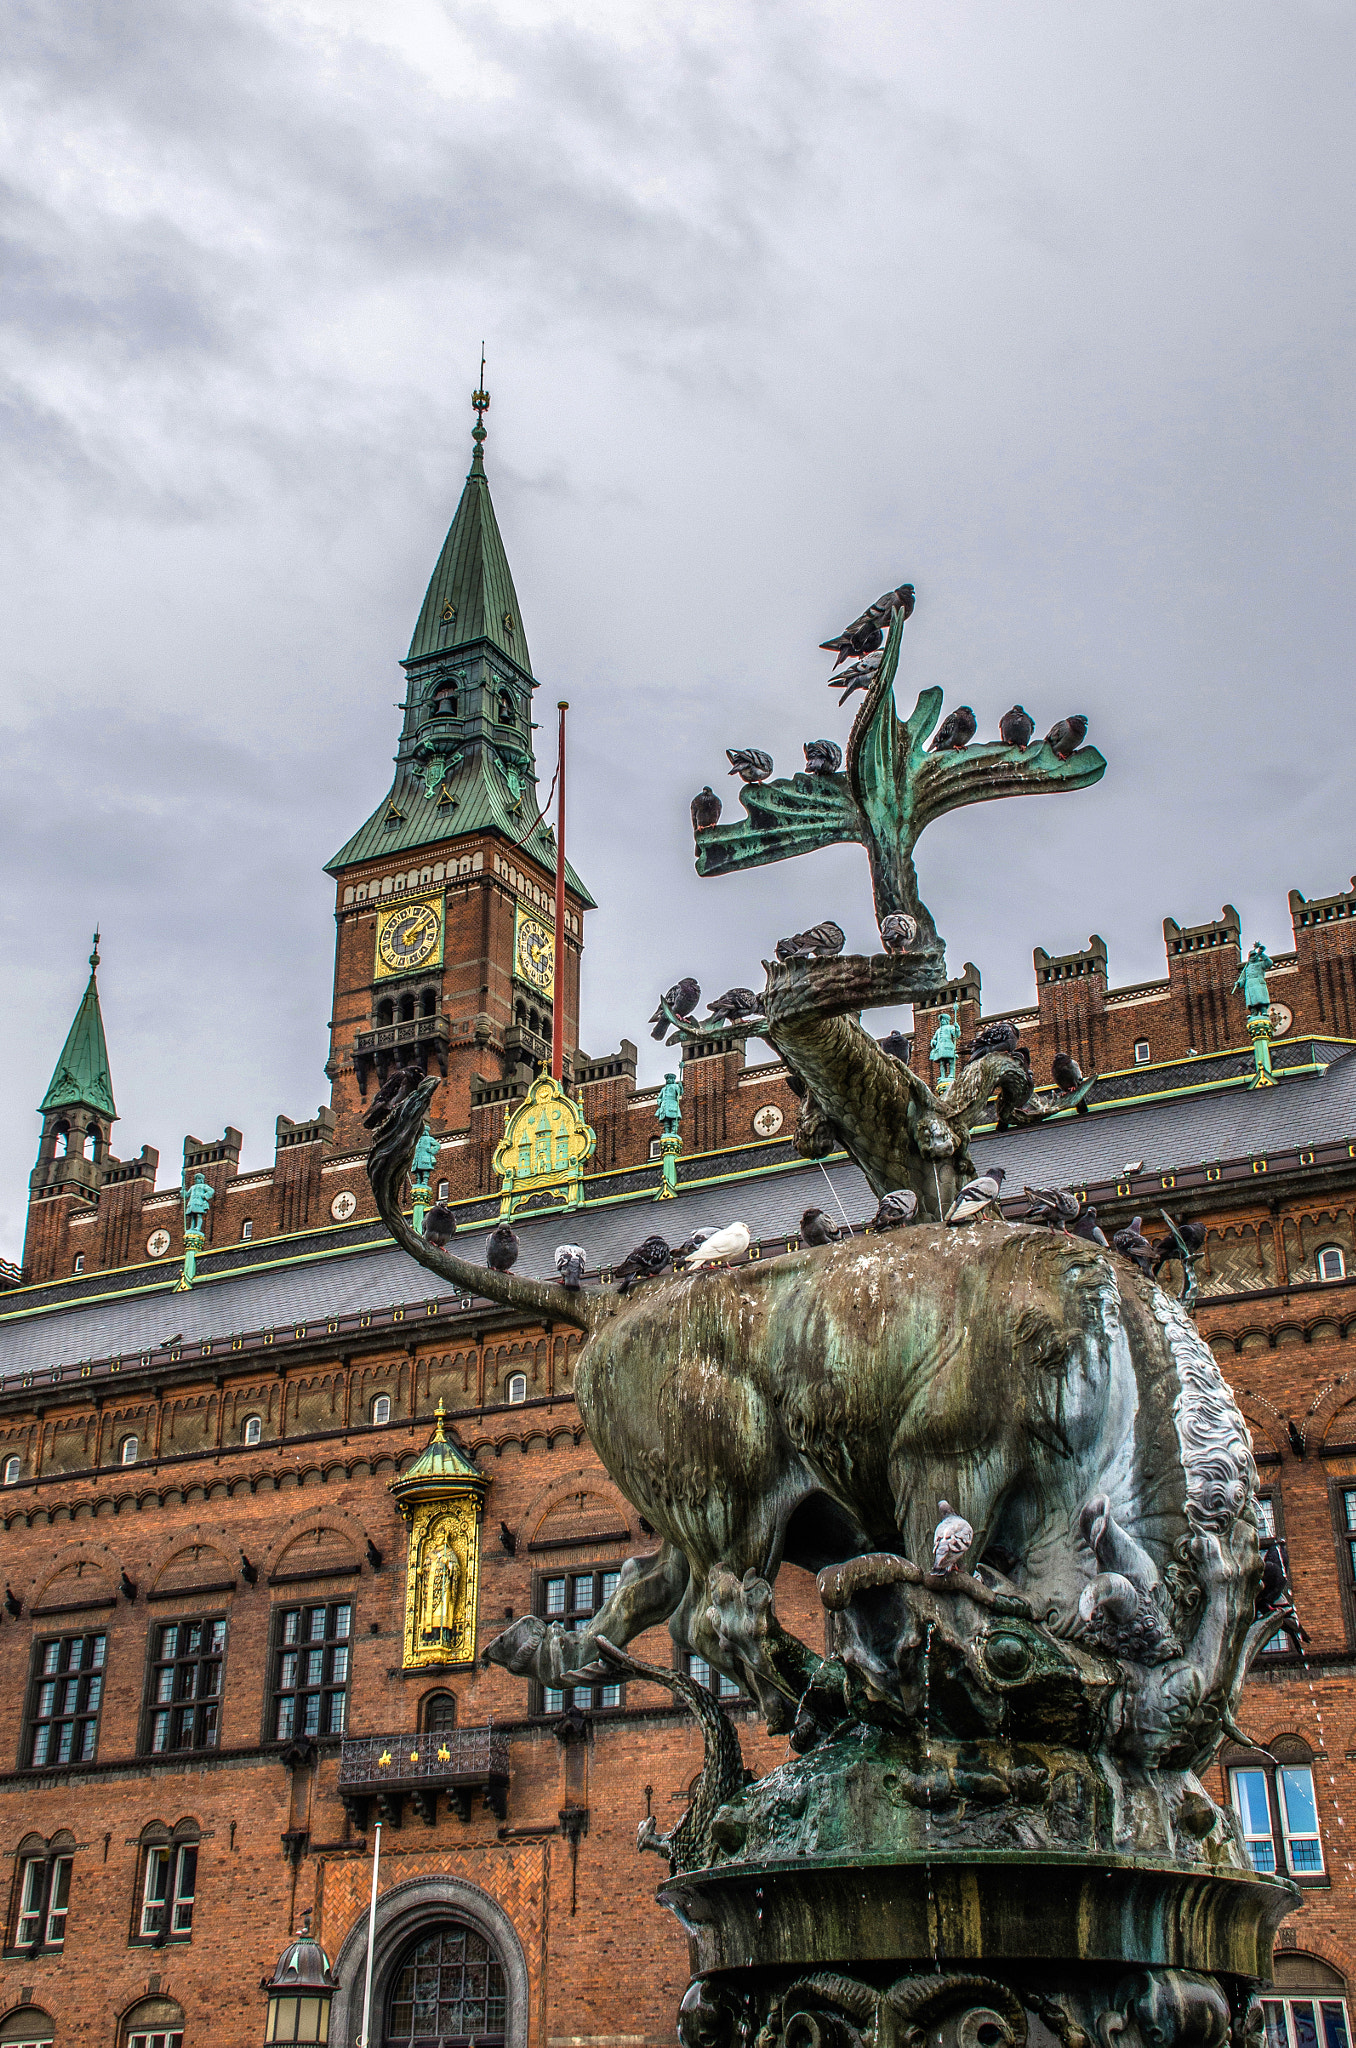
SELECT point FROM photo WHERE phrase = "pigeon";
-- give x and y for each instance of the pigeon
(898, 931)
(858, 676)
(571, 1260)
(735, 1003)
(682, 999)
(648, 1258)
(955, 731)
(865, 633)
(1294, 1437)
(1067, 736)
(1068, 1075)
(1132, 1244)
(706, 809)
(722, 1244)
(501, 1248)
(1057, 1207)
(821, 941)
(977, 1196)
(1015, 727)
(689, 1244)
(995, 1037)
(439, 1224)
(1192, 1236)
(896, 1209)
(1086, 1225)
(391, 1094)
(750, 764)
(823, 757)
(899, 1046)
(816, 1228)
(951, 1539)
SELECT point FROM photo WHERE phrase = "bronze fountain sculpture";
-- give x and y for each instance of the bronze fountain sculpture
(990, 1827)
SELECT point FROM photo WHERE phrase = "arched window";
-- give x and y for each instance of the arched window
(386, 1011)
(88, 1143)
(28, 2026)
(13, 1467)
(1332, 1263)
(1275, 1801)
(63, 1140)
(381, 1411)
(438, 1713)
(520, 1012)
(449, 1988)
(407, 1009)
(517, 1388)
(253, 1430)
(428, 1004)
(1307, 2002)
(153, 2023)
(127, 1450)
(507, 714)
(169, 1881)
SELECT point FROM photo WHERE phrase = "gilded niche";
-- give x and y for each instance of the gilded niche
(442, 1498)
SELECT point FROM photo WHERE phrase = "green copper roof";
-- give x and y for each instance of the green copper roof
(82, 1074)
(441, 1463)
(471, 595)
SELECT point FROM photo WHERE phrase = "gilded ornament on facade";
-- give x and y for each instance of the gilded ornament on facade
(545, 1147)
(441, 1497)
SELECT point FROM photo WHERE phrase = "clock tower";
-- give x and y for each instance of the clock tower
(445, 897)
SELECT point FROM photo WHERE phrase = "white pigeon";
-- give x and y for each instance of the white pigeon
(976, 1196)
(571, 1260)
(722, 1244)
(951, 1539)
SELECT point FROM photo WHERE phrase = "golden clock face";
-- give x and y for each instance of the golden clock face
(410, 937)
(535, 952)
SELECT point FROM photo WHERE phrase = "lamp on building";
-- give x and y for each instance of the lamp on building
(300, 1990)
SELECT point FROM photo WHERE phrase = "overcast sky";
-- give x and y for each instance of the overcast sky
(1045, 307)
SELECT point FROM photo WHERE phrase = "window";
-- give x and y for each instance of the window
(381, 1411)
(253, 1430)
(571, 1597)
(64, 1699)
(517, 1388)
(183, 1688)
(310, 1687)
(127, 1450)
(1349, 1518)
(1332, 1264)
(28, 2027)
(153, 2023)
(715, 1681)
(172, 2039)
(167, 1891)
(1266, 1515)
(79, 1266)
(439, 1713)
(13, 1467)
(1279, 1817)
(656, 1148)
(442, 1191)
(1307, 2005)
(450, 1986)
(44, 1901)
(247, 1229)
(1141, 1052)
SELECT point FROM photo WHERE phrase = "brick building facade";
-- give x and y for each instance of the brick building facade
(208, 1701)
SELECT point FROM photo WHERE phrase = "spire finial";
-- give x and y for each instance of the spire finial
(439, 1436)
(480, 400)
(94, 956)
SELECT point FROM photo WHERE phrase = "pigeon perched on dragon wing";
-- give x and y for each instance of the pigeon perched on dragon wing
(951, 1539)
(501, 1248)
(898, 932)
(571, 1260)
(706, 809)
(734, 1004)
(999, 1036)
(750, 764)
(867, 631)
(823, 757)
(729, 1243)
(1068, 1075)
(682, 999)
(859, 675)
(817, 1229)
(897, 1209)
(1190, 1235)
(1133, 1244)
(392, 1092)
(898, 1044)
(1067, 735)
(955, 732)
(822, 941)
(977, 1196)
(1015, 727)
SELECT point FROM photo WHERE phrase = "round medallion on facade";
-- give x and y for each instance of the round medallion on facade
(1282, 1017)
(768, 1120)
(343, 1205)
(157, 1244)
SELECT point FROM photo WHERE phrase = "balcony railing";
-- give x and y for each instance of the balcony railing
(422, 1766)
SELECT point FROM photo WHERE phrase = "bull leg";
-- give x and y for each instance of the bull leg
(649, 1590)
(731, 1622)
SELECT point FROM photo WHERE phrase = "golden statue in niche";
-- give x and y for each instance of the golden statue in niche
(441, 1497)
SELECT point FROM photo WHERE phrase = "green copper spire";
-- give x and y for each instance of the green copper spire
(82, 1075)
(471, 595)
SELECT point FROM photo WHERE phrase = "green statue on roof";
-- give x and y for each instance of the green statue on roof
(197, 1201)
(945, 1045)
(1252, 979)
(669, 1107)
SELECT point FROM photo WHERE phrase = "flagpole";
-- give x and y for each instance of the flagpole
(371, 1942)
(558, 997)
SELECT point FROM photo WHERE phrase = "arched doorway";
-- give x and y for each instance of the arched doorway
(447, 1990)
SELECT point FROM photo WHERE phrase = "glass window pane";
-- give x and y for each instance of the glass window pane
(291, 1622)
(1302, 2019)
(315, 1625)
(583, 1593)
(699, 1670)
(97, 1645)
(1297, 1785)
(609, 1582)
(552, 1701)
(1274, 2013)
(53, 1650)
(610, 1696)
(1266, 1515)
(555, 1594)
(343, 1621)
(1334, 2024)
(1349, 1502)
(338, 1704)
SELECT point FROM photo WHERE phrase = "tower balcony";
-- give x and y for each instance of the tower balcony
(423, 1767)
(429, 1036)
